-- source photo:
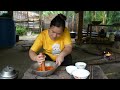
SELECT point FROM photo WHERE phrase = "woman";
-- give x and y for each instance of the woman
(55, 41)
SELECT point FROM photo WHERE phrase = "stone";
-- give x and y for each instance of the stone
(98, 73)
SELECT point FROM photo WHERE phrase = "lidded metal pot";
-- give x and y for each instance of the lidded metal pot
(8, 73)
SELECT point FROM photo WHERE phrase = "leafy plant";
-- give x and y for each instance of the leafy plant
(21, 30)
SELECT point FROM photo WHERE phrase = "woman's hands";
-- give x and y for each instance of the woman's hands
(59, 60)
(40, 58)
(67, 50)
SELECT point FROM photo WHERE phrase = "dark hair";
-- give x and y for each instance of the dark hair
(58, 21)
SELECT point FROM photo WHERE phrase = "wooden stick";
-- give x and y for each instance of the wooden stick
(43, 66)
(43, 63)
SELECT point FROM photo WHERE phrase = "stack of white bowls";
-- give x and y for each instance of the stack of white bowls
(78, 71)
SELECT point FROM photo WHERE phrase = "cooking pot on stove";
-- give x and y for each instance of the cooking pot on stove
(8, 73)
(73, 34)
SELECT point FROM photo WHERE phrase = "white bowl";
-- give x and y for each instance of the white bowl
(80, 65)
(80, 73)
(70, 69)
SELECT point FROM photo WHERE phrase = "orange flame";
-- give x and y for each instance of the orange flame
(108, 54)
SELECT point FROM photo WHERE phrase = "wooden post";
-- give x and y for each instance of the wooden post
(28, 20)
(11, 14)
(41, 28)
(80, 27)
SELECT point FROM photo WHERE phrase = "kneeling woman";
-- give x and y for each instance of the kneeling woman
(55, 41)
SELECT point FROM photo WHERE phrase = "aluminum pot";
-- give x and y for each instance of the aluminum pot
(44, 73)
(8, 73)
(73, 34)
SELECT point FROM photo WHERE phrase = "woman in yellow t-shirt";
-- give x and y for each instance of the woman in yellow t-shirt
(55, 41)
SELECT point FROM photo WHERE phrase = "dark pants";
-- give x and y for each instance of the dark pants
(67, 60)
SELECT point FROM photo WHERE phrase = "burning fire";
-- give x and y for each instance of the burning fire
(107, 55)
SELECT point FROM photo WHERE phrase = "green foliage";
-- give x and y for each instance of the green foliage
(47, 13)
(87, 18)
(115, 17)
(21, 30)
(5, 15)
(107, 17)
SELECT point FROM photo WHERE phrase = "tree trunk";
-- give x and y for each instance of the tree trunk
(94, 15)
(94, 19)
(73, 22)
(28, 20)
(77, 22)
(104, 17)
(67, 19)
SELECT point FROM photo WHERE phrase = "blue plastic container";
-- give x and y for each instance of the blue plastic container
(7, 33)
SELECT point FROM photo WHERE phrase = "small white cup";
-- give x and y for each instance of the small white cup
(80, 65)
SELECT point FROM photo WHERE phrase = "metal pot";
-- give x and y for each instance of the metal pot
(73, 34)
(8, 73)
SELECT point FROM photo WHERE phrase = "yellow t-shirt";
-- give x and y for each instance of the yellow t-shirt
(52, 48)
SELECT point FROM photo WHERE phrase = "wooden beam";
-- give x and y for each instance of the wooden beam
(80, 27)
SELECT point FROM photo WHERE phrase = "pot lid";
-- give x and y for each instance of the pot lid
(8, 72)
(8, 69)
